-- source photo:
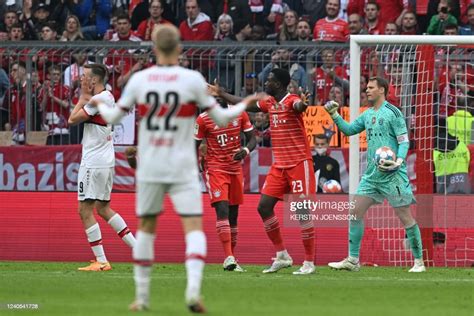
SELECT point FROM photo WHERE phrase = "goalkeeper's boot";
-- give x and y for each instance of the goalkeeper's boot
(97, 266)
(306, 268)
(230, 263)
(137, 306)
(280, 262)
(350, 264)
(196, 306)
(419, 266)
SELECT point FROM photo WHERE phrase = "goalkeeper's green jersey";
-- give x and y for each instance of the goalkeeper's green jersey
(384, 127)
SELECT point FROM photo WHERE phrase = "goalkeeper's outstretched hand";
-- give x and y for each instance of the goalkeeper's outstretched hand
(390, 165)
(331, 107)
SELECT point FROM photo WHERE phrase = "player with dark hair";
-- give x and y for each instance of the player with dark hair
(292, 169)
(96, 172)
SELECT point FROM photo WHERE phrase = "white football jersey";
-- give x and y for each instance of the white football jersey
(167, 99)
(97, 141)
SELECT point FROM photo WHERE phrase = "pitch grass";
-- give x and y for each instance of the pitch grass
(61, 290)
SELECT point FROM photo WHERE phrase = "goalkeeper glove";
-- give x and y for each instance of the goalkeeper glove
(331, 107)
(390, 165)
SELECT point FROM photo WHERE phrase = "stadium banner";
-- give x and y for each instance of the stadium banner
(55, 168)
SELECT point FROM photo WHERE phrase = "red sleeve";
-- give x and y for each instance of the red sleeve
(199, 129)
(205, 32)
(246, 124)
(264, 105)
(141, 30)
(183, 29)
(294, 99)
(315, 30)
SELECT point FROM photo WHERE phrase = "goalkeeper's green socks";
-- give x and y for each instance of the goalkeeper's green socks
(414, 237)
(356, 232)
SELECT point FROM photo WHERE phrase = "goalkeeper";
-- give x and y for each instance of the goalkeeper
(385, 126)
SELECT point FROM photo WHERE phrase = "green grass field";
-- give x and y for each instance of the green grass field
(61, 290)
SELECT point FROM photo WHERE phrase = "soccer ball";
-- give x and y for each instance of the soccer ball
(382, 154)
(332, 186)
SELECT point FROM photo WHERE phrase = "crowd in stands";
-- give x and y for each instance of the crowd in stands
(55, 75)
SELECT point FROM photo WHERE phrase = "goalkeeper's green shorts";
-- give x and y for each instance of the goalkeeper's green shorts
(397, 191)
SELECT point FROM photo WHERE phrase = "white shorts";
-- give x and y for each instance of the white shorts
(94, 184)
(186, 198)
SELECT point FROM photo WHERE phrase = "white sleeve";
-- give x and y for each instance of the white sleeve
(222, 117)
(128, 97)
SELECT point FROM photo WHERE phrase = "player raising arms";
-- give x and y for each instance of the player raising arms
(385, 126)
(223, 175)
(97, 165)
(168, 97)
(292, 169)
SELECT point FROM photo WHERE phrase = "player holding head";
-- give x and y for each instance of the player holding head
(97, 165)
(385, 126)
(224, 176)
(169, 96)
(292, 169)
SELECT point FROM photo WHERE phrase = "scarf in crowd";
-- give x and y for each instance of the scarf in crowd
(256, 6)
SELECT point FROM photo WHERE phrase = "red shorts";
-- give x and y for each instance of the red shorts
(225, 187)
(299, 179)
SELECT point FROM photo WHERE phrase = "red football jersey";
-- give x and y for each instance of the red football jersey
(289, 142)
(222, 143)
(336, 30)
(324, 83)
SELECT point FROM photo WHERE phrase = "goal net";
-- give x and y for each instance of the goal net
(432, 82)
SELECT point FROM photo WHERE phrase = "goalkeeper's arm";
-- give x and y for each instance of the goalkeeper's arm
(348, 129)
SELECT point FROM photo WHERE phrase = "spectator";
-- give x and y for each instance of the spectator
(73, 74)
(16, 33)
(124, 30)
(468, 29)
(439, 21)
(72, 31)
(261, 123)
(451, 159)
(16, 100)
(26, 19)
(9, 19)
(356, 24)
(198, 26)
(336, 93)
(314, 9)
(326, 74)
(331, 28)
(140, 61)
(452, 89)
(4, 86)
(224, 29)
(375, 26)
(409, 23)
(145, 28)
(250, 84)
(390, 10)
(55, 104)
(242, 31)
(288, 29)
(94, 17)
(450, 29)
(325, 168)
(281, 58)
(391, 29)
(239, 10)
(303, 31)
(49, 32)
(258, 33)
(41, 15)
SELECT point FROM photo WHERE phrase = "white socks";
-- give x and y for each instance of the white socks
(143, 255)
(195, 255)
(120, 227)
(94, 237)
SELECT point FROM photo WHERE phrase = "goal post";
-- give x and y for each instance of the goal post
(414, 60)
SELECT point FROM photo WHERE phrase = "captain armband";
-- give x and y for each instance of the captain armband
(402, 138)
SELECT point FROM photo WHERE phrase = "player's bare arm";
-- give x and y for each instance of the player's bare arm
(131, 154)
(251, 142)
(302, 105)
